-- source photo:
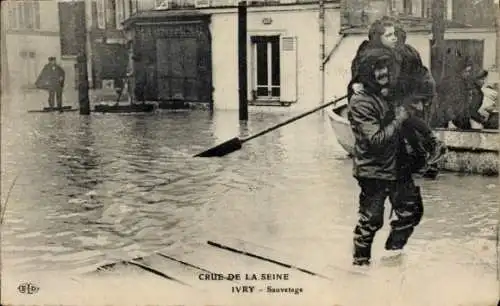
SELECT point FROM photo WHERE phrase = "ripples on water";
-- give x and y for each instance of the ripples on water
(105, 187)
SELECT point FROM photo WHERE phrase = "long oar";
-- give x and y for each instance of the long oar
(236, 143)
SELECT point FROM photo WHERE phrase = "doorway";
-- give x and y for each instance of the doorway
(177, 69)
(266, 67)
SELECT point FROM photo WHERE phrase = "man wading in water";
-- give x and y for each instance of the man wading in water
(382, 166)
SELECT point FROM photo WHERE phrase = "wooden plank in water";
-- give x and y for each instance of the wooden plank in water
(49, 110)
(277, 261)
(306, 266)
(144, 266)
(126, 281)
(140, 267)
(177, 268)
(128, 108)
(225, 263)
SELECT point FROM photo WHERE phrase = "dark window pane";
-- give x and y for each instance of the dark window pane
(262, 91)
(13, 15)
(262, 64)
(110, 13)
(275, 62)
(28, 17)
(20, 11)
(275, 92)
(36, 12)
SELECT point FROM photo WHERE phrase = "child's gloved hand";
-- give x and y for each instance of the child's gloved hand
(401, 113)
(357, 88)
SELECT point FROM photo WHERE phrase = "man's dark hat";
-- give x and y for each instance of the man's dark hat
(52, 58)
(370, 58)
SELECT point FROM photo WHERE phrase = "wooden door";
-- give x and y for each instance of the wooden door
(179, 53)
(177, 69)
(456, 52)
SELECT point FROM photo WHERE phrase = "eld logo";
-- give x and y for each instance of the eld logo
(28, 288)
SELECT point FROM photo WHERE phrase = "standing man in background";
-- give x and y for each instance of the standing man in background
(52, 78)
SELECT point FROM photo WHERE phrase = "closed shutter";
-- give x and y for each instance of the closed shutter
(119, 14)
(101, 14)
(288, 67)
(133, 6)
(126, 9)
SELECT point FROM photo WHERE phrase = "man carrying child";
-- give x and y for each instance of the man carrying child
(412, 87)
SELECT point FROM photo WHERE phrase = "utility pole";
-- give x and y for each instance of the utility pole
(438, 29)
(437, 55)
(4, 65)
(242, 61)
(497, 63)
(81, 62)
(321, 21)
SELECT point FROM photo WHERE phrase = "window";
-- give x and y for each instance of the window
(266, 67)
(29, 67)
(112, 13)
(160, 3)
(120, 14)
(71, 20)
(101, 14)
(175, 3)
(133, 6)
(24, 15)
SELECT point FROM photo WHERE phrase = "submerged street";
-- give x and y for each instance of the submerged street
(106, 187)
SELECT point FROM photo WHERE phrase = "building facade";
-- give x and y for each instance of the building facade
(32, 34)
(283, 55)
(475, 13)
(107, 41)
(470, 31)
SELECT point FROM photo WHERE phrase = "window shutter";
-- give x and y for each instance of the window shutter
(101, 14)
(126, 9)
(133, 6)
(36, 14)
(288, 67)
(119, 14)
(12, 15)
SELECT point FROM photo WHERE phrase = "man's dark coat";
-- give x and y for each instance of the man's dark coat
(51, 78)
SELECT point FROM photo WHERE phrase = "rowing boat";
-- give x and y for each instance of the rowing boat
(469, 151)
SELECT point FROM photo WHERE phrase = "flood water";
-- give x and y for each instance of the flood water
(90, 190)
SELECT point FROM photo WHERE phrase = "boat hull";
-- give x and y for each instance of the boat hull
(473, 152)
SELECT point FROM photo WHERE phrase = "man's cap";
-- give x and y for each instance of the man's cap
(52, 58)
(376, 56)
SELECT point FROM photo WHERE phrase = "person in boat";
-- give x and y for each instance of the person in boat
(413, 87)
(381, 164)
(489, 106)
(482, 106)
(456, 95)
(478, 118)
(51, 78)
